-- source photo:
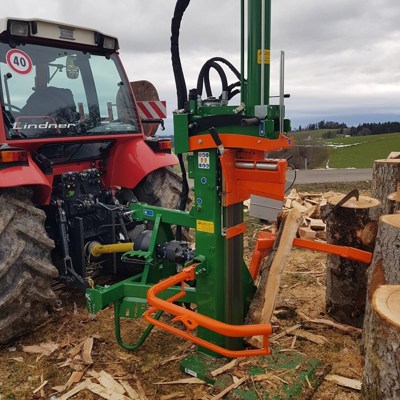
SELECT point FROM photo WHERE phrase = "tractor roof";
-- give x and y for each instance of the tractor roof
(41, 28)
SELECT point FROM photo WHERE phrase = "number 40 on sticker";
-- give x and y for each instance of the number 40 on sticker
(19, 61)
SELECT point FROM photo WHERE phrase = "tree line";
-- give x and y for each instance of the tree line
(374, 128)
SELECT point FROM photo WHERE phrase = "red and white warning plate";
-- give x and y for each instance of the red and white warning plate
(152, 109)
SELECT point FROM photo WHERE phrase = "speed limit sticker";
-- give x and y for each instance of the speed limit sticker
(19, 61)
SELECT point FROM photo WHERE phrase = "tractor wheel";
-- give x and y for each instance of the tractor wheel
(26, 270)
(161, 188)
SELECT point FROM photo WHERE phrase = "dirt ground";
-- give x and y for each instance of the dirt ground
(157, 361)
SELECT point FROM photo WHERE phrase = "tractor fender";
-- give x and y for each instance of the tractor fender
(27, 175)
(130, 162)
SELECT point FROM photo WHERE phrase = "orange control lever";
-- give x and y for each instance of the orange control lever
(192, 319)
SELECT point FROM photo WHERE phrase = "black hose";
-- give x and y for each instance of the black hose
(204, 77)
(180, 83)
(181, 93)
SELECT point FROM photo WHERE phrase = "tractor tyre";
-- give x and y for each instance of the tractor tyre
(161, 188)
(26, 270)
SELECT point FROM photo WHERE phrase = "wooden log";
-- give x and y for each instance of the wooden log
(381, 377)
(355, 225)
(384, 268)
(385, 176)
(263, 304)
(394, 201)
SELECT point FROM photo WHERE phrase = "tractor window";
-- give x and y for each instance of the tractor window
(46, 91)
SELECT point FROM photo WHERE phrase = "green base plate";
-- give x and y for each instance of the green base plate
(291, 375)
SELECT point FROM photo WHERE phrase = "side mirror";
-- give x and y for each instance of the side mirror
(71, 68)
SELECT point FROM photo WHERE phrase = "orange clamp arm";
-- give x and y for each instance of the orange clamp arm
(192, 319)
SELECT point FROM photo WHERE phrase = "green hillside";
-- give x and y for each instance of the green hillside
(361, 151)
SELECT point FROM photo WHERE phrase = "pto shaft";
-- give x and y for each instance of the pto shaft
(96, 249)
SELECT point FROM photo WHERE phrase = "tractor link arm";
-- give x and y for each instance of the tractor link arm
(69, 272)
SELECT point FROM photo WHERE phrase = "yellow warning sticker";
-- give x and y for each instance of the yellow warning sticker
(267, 56)
(205, 226)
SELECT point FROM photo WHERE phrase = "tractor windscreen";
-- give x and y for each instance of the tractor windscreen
(47, 91)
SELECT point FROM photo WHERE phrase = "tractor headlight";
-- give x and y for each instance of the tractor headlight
(19, 28)
(108, 43)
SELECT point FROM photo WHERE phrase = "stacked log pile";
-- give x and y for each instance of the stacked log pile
(309, 205)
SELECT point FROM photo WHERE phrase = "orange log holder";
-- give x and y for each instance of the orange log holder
(192, 320)
(266, 240)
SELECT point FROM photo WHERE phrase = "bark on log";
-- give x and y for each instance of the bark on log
(355, 225)
(381, 377)
(385, 176)
(385, 264)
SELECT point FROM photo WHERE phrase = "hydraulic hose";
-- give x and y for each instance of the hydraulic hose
(181, 92)
(180, 83)
(204, 76)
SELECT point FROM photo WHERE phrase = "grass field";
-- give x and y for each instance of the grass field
(303, 136)
(361, 151)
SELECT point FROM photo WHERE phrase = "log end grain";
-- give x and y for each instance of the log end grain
(362, 202)
(391, 219)
(388, 161)
(386, 302)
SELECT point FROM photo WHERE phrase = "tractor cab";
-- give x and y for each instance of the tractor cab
(62, 81)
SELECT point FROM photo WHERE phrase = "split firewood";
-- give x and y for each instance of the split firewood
(316, 224)
(287, 203)
(87, 351)
(189, 381)
(139, 387)
(343, 381)
(75, 377)
(342, 327)
(230, 388)
(105, 393)
(224, 368)
(76, 389)
(42, 385)
(44, 348)
(109, 382)
(18, 359)
(299, 207)
(130, 391)
(172, 358)
(318, 339)
(307, 233)
(271, 288)
(175, 395)
(282, 254)
(284, 333)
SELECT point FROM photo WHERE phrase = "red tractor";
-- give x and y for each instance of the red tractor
(73, 155)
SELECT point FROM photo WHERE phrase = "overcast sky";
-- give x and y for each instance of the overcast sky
(342, 56)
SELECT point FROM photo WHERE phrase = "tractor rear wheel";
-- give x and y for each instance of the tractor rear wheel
(26, 270)
(161, 188)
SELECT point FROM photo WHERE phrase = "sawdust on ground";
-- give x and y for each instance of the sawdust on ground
(302, 290)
